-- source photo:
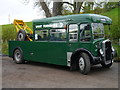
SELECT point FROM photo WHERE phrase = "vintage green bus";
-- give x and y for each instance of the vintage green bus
(76, 41)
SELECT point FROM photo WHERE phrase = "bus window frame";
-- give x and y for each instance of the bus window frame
(69, 34)
(58, 28)
(83, 30)
(49, 29)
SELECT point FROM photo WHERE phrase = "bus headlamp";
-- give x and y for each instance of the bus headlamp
(101, 51)
(113, 49)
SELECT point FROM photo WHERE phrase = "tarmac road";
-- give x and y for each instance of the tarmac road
(39, 75)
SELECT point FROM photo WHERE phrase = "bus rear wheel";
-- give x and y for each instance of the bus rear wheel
(18, 57)
(84, 63)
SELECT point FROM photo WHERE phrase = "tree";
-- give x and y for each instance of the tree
(57, 7)
(44, 4)
(88, 7)
(45, 8)
(76, 6)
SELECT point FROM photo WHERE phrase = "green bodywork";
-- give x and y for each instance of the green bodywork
(49, 52)
(55, 52)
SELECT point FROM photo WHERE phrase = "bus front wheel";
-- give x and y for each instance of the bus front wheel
(84, 63)
(18, 57)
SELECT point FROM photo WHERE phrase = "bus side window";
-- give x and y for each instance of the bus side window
(73, 32)
(41, 35)
(57, 35)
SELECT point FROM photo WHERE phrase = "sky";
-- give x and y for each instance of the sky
(15, 9)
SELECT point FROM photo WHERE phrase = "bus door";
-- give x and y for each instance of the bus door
(73, 37)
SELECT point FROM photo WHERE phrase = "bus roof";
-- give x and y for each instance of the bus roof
(76, 18)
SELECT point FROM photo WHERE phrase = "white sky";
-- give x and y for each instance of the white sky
(15, 9)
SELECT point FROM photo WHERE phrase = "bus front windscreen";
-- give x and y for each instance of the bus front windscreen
(98, 30)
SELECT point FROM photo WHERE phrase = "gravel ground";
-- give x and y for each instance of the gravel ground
(39, 75)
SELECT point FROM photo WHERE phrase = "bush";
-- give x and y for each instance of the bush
(8, 33)
(5, 48)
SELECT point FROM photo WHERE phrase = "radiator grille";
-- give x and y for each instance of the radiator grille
(108, 51)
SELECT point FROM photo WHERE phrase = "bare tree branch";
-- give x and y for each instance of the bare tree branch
(79, 5)
(57, 8)
(68, 3)
(45, 8)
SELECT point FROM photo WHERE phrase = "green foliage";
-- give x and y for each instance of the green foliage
(66, 12)
(8, 33)
(109, 6)
(88, 8)
(98, 10)
(114, 33)
(5, 47)
(117, 48)
(29, 24)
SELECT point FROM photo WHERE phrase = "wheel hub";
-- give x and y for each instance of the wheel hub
(81, 63)
(17, 56)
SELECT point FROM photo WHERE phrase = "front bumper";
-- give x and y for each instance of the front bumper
(99, 59)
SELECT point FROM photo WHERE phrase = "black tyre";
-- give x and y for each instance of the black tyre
(107, 65)
(84, 63)
(21, 36)
(18, 57)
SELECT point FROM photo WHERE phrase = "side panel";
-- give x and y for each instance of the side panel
(48, 52)
(87, 46)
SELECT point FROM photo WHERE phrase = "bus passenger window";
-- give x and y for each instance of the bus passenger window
(58, 35)
(73, 32)
(41, 35)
